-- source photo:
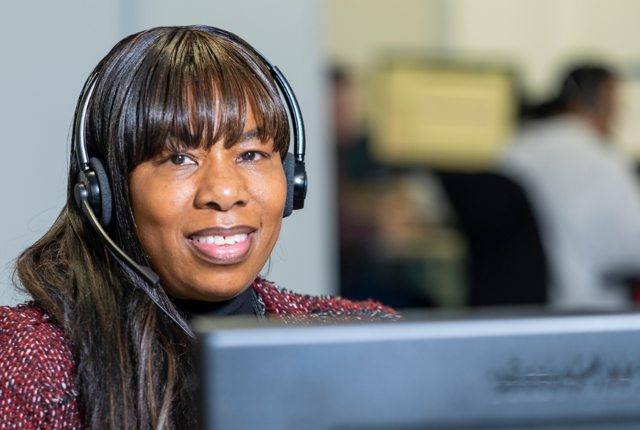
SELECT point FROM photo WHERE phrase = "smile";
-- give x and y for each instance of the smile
(222, 249)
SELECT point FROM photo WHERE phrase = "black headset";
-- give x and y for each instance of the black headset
(93, 194)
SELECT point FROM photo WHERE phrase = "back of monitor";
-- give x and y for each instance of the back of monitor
(579, 372)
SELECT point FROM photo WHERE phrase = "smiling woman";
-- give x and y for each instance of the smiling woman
(176, 173)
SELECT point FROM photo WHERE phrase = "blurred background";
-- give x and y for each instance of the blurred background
(461, 152)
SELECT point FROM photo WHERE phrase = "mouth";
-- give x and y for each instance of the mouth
(222, 245)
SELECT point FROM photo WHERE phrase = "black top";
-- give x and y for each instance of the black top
(242, 304)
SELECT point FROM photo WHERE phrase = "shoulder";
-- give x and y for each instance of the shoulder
(37, 371)
(279, 301)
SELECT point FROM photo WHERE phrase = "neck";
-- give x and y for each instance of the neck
(242, 304)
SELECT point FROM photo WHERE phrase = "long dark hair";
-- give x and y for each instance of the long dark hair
(187, 86)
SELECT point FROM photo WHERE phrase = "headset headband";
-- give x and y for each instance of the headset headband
(299, 138)
(80, 123)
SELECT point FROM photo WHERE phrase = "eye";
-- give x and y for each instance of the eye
(251, 156)
(181, 159)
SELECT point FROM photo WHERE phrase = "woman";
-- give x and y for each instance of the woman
(192, 134)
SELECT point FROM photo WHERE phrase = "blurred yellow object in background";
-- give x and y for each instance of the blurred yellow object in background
(453, 116)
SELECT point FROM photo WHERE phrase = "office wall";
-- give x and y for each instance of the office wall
(361, 32)
(47, 50)
(538, 36)
(541, 36)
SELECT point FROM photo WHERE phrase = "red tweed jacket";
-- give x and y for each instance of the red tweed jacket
(37, 370)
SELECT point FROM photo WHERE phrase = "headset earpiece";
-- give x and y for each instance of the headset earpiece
(296, 184)
(104, 190)
(299, 185)
(87, 188)
(93, 186)
(289, 171)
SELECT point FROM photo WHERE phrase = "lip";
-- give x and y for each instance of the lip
(223, 254)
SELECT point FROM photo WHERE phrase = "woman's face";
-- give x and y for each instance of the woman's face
(208, 219)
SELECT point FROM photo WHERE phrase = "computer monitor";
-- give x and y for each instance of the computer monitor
(525, 373)
(452, 115)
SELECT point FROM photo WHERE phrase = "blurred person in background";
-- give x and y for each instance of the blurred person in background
(374, 209)
(354, 160)
(585, 194)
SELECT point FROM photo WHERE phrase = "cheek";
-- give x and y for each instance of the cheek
(272, 194)
(276, 196)
(157, 210)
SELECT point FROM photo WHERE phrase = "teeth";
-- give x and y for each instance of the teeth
(221, 240)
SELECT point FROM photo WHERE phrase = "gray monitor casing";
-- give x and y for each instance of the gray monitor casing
(527, 372)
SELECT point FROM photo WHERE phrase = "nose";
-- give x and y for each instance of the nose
(221, 186)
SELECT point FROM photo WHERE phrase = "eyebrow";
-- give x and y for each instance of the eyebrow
(248, 135)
